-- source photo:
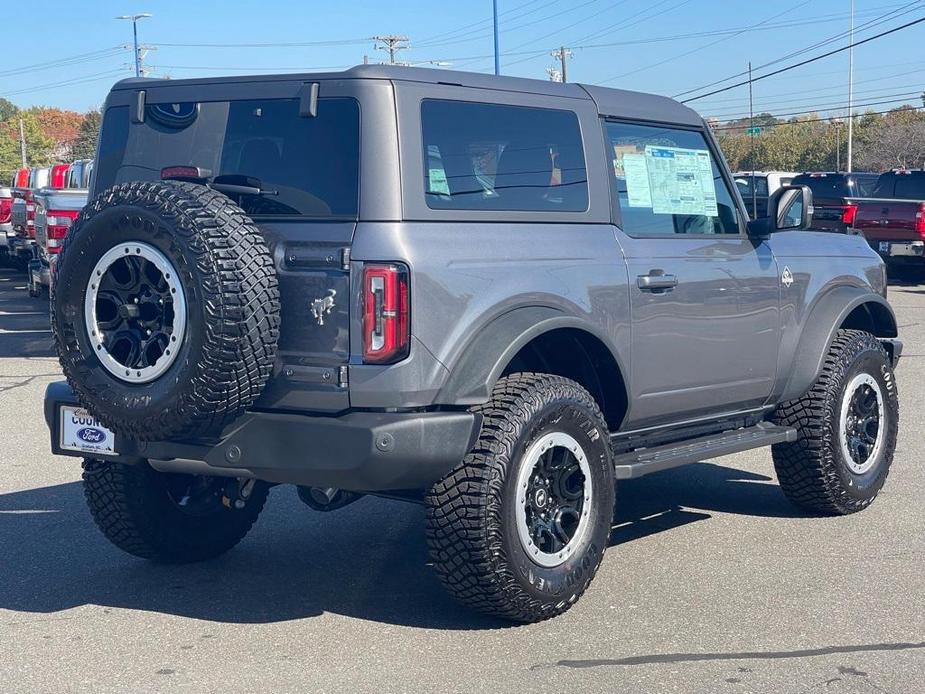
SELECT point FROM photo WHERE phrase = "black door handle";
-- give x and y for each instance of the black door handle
(651, 282)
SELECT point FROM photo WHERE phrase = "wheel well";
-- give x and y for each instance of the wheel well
(582, 357)
(873, 318)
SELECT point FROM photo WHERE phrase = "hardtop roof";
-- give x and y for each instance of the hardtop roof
(609, 102)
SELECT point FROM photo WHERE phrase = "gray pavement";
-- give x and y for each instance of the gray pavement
(714, 582)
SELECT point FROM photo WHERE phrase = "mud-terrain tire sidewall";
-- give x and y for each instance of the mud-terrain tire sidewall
(813, 471)
(130, 505)
(231, 292)
(553, 584)
(472, 512)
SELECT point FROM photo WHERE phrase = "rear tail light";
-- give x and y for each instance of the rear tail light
(920, 221)
(6, 210)
(57, 224)
(848, 213)
(386, 318)
(57, 178)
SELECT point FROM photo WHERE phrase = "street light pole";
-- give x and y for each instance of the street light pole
(494, 6)
(135, 18)
(851, 92)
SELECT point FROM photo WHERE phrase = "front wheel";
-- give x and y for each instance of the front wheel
(173, 518)
(519, 528)
(847, 426)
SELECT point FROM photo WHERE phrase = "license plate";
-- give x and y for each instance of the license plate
(884, 246)
(82, 432)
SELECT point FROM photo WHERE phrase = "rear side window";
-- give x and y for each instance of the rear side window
(668, 182)
(494, 157)
(744, 185)
(910, 186)
(301, 166)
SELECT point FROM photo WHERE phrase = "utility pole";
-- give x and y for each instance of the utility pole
(22, 143)
(391, 43)
(851, 92)
(562, 54)
(139, 56)
(494, 7)
(837, 123)
(751, 130)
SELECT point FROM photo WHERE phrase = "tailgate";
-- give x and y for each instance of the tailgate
(888, 220)
(312, 265)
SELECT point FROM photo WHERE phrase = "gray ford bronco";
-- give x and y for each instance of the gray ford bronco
(496, 297)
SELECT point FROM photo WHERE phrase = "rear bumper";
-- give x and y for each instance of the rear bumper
(359, 451)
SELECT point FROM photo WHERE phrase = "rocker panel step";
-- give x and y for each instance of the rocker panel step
(646, 460)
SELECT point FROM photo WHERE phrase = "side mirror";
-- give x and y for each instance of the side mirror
(790, 208)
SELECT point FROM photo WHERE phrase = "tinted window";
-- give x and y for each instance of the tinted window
(910, 186)
(836, 185)
(304, 166)
(667, 182)
(493, 157)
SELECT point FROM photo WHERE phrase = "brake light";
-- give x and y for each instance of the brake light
(57, 178)
(920, 221)
(57, 224)
(386, 319)
(848, 213)
(6, 209)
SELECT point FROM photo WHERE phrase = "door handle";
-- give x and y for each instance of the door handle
(651, 282)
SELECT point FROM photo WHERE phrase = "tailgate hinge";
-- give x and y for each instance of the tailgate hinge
(343, 378)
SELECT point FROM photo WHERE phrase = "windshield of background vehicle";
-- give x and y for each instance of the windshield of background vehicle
(302, 166)
(837, 185)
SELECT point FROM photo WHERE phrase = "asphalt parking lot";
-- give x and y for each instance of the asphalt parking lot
(714, 582)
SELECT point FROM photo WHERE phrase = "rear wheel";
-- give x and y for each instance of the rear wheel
(519, 528)
(169, 517)
(847, 426)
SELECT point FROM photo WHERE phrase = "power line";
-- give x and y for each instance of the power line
(482, 24)
(477, 35)
(877, 20)
(884, 99)
(807, 61)
(907, 108)
(296, 44)
(70, 60)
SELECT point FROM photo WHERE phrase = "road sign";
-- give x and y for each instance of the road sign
(754, 131)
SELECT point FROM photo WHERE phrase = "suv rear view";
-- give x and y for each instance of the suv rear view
(833, 211)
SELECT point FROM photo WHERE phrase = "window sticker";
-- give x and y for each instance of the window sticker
(437, 182)
(636, 171)
(681, 181)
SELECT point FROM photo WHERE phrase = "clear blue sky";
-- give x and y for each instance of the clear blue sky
(888, 70)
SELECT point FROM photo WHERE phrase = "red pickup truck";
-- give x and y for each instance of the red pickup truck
(893, 219)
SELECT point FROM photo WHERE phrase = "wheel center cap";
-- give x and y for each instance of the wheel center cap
(129, 311)
(540, 498)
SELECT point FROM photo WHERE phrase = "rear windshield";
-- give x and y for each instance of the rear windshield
(744, 186)
(837, 185)
(906, 186)
(300, 166)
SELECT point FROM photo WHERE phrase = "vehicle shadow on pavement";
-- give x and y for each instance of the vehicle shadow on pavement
(367, 561)
(25, 329)
(673, 498)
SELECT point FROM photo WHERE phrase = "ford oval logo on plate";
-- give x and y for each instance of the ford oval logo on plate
(91, 435)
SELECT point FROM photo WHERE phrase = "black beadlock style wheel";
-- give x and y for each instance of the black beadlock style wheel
(165, 310)
(847, 426)
(519, 528)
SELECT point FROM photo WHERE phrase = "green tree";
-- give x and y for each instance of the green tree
(7, 109)
(85, 145)
(39, 146)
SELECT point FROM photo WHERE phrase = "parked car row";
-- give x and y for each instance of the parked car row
(36, 210)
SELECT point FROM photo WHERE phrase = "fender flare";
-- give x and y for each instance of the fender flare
(487, 355)
(822, 322)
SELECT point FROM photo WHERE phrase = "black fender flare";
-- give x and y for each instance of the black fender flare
(819, 327)
(487, 355)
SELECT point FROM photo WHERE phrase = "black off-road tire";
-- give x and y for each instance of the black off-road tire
(813, 471)
(471, 530)
(132, 507)
(232, 298)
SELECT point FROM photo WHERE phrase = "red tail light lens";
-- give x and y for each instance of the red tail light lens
(920, 221)
(58, 176)
(386, 318)
(6, 210)
(57, 224)
(848, 213)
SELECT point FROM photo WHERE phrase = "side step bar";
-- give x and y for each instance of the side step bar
(645, 460)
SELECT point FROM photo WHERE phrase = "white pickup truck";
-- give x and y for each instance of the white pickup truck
(55, 212)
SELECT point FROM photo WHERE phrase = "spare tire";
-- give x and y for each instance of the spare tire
(165, 310)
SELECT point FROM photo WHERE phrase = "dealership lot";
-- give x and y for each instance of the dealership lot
(714, 583)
